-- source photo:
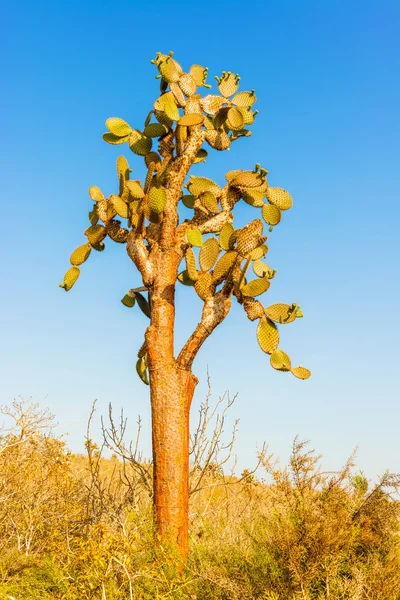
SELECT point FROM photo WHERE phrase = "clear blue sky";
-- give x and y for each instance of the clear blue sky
(326, 76)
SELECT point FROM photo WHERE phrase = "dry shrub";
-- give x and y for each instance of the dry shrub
(76, 527)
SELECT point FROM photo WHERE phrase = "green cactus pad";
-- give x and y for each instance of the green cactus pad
(280, 361)
(271, 214)
(118, 127)
(279, 197)
(267, 335)
(166, 103)
(157, 199)
(129, 300)
(110, 138)
(155, 130)
(244, 99)
(209, 201)
(80, 254)
(218, 140)
(139, 143)
(209, 254)
(95, 234)
(198, 185)
(199, 74)
(188, 200)
(143, 304)
(191, 266)
(141, 369)
(95, 193)
(135, 189)
(121, 207)
(259, 252)
(211, 104)
(248, 238)
(169, 71)
(70, 278)
(256, 287)
(224, 235)
(235, 119)
(301, 372)
(224, 266)
(248, 179)
(281, 313)
(184, 278)
(252, 197)
(194, 237)
(189, 120)
(187, 84)
(204, 285)
(152, 157)
(178, 95)
(200, 156)
(228, 84)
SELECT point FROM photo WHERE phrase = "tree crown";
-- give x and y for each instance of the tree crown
(216, 256)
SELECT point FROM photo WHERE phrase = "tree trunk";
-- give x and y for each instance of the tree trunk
(171, 393)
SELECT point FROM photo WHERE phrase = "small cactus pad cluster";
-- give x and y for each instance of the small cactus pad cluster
(214, 261)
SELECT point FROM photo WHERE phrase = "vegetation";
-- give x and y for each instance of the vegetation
(202, 250)
(75, 527)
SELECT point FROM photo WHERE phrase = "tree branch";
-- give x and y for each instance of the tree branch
(215, 309)
(138, 253)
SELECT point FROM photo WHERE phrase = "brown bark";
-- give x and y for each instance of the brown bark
(171, 393)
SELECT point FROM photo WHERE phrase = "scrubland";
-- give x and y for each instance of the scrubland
(77, 527)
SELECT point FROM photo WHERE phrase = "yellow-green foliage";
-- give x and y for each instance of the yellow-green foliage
(75, 527)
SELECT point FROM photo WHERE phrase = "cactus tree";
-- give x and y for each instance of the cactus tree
(204, 251)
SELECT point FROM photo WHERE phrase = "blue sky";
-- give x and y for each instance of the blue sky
(328, 130)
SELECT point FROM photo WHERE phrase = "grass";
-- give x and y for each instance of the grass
(76, 527)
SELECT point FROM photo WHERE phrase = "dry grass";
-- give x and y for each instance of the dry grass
(78, 527)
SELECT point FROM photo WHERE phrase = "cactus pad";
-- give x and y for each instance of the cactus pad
(234, 119)
(209, 202)
(267, 335)
(301, 372)
(244, 99)
(224, 235)
(204, 285)
(254, 309)
(70, 278)
(198, 185)
(224, 266)
(157, 199)
(279, 197)
(184, 278)
(218, 139)
(95, 193)
(153, 130)
(80, 254)
(194, 237)
(129, 300)
(191, 119)
(187, 84)
(248, 238)
(256, 287)
(271, 214)
(139, 143)
(199, 74)
(118, 127)
(110, 138)
(228, 84)
(280, 361)
(211, 104)
(191, 266)
(208, 254)
(281, 313)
